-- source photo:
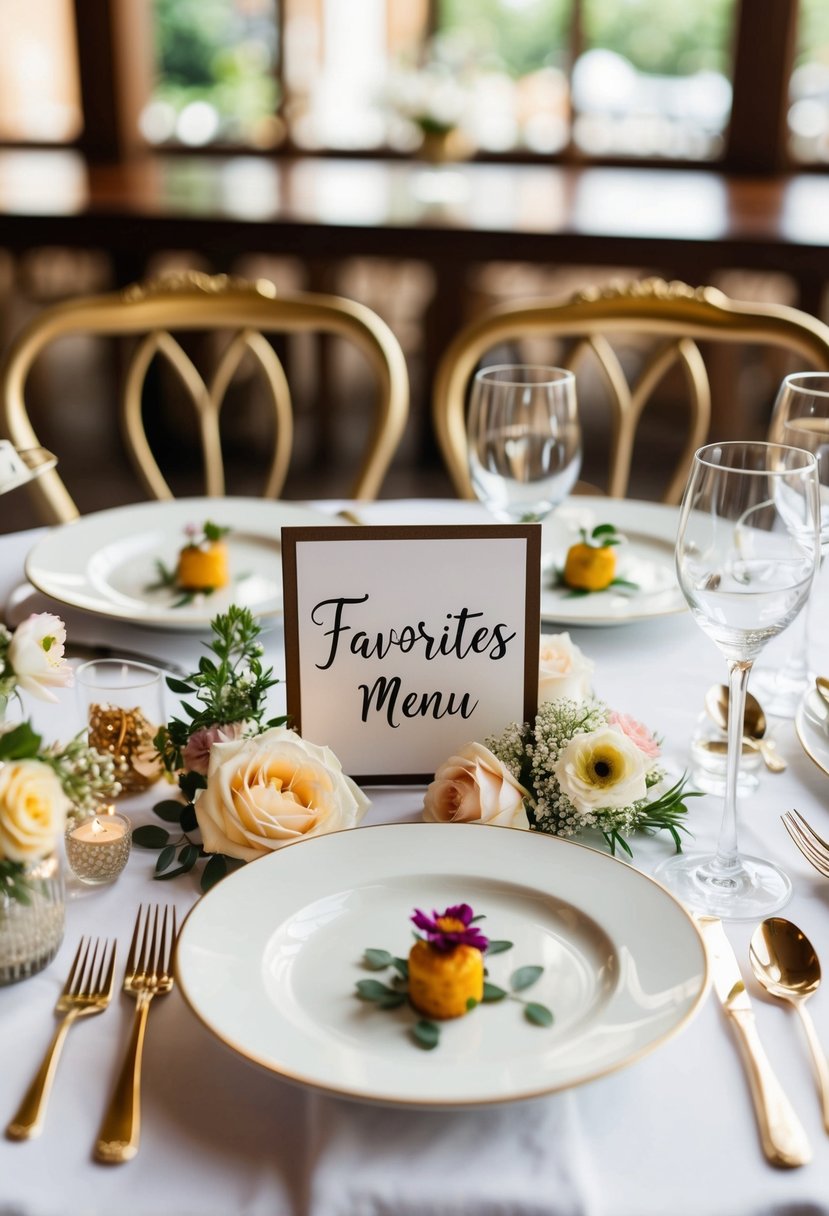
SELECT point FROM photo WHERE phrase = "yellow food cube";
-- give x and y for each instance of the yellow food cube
(588, 568)
(202, 566)
(441, 984)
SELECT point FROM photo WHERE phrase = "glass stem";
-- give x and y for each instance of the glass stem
(727, 858)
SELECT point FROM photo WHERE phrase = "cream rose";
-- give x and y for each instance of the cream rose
(601, 769)
(33, 810)
(35, 655)
(563, 671)
(269, 790)
(475, 787)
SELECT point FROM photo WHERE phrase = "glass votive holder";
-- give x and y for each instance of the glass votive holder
(709, 759)
(97, 848)
(122, 706)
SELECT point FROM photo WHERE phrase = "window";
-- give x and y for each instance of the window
(808, 114)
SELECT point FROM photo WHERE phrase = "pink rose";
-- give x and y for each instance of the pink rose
(196, 754)
(644, 739)
(475, 787)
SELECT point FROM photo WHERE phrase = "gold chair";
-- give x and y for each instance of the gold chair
(193, 301)
(673, 316)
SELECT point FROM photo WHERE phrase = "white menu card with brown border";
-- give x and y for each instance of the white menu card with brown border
(402, 644)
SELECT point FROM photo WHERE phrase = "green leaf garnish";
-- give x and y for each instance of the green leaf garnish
(373, 990)
(377, 960)
(150, 837)
(525, 977)
(498, 947)
(539, 1015)
(493, 993)
(426, 1034)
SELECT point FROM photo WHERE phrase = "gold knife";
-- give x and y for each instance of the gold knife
(782, 1136)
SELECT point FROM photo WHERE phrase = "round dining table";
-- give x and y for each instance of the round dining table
(673, 1132)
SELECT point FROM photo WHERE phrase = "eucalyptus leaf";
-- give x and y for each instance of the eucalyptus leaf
(539, 1015)
(188, 820)
(214, 871)
(426, 1034)
(498, 947)
(373, 990)
(524, 977)
(169, 810)
(394, 1001)
(493, 993)
(401, 966)
(165, 858)
(377, 960)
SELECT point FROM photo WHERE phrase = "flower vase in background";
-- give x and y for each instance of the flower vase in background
(31, 918)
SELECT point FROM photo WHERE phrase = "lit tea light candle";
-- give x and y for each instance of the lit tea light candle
(97, 849)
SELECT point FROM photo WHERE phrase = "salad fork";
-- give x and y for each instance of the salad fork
(148, 974)
(88, 990)
(813, 847)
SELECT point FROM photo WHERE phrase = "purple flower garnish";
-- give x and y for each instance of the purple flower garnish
(446, 930)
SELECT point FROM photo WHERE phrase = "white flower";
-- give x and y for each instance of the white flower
(601, 769)
(563, 671)
(33, 809)
(35, 655)
(475, 787)
(269, 790)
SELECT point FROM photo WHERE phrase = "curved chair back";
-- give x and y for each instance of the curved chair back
(198, 302)
(673, 315)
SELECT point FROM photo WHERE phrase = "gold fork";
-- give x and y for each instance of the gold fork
(87, 990)
(813, 847)
(148, 974)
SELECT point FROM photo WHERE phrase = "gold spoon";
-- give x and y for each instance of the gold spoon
(785, 963)
(822, 685)
(754, 724)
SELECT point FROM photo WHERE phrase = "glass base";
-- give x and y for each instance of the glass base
(753, 890)
(778, 692)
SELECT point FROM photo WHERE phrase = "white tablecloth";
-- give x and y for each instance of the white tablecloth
(673, 1133)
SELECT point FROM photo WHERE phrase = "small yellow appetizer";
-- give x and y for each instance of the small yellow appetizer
(591, 563)
(202, 563)
(446, 968)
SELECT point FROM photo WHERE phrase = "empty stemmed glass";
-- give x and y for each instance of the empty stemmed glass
(800, 419)
(746, 555)
(524, 439)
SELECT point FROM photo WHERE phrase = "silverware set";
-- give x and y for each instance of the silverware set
(813, 847)
(88, 990)
(785, 963)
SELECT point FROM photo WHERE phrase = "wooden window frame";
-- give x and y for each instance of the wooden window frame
(115, 49)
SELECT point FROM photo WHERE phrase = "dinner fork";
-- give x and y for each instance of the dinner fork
(148, 974)
(813, 847)
(88, 990)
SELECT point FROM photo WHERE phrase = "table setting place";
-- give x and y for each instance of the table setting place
(424, 856)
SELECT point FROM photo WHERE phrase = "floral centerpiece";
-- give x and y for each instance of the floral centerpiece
(578, 766)
(40, 787)
(250, 784)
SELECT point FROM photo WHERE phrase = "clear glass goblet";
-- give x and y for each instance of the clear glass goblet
(746, 554)
(524, 439)
(800, 419)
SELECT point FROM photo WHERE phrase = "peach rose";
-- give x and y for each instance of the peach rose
(475, 787)
(563, 671)
(33, 810)
(271, 789)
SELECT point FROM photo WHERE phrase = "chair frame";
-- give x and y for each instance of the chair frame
(679, 314)
(197, 302)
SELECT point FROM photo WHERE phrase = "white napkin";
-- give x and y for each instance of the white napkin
(521, 1159)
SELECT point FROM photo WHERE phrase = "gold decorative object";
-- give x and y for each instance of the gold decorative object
(128, 735)
(88, 990)
(97, 848)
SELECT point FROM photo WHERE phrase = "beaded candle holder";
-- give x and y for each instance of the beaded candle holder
(97, 848)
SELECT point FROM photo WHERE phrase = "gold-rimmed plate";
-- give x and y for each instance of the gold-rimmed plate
(105, 562)
(811, 724)
(269, 960)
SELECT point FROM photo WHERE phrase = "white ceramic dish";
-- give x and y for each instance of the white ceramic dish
(269, 959)
(104, 562)
(811, 724)
(647, 558)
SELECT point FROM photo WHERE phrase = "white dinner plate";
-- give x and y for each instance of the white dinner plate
(645, 558)
(268, 960)
(812, 726)
(104, 562)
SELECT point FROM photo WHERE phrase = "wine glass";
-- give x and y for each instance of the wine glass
(800, 418)
(746, 555)
(524, 439)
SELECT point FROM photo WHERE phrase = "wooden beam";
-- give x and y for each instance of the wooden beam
(764, 53)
